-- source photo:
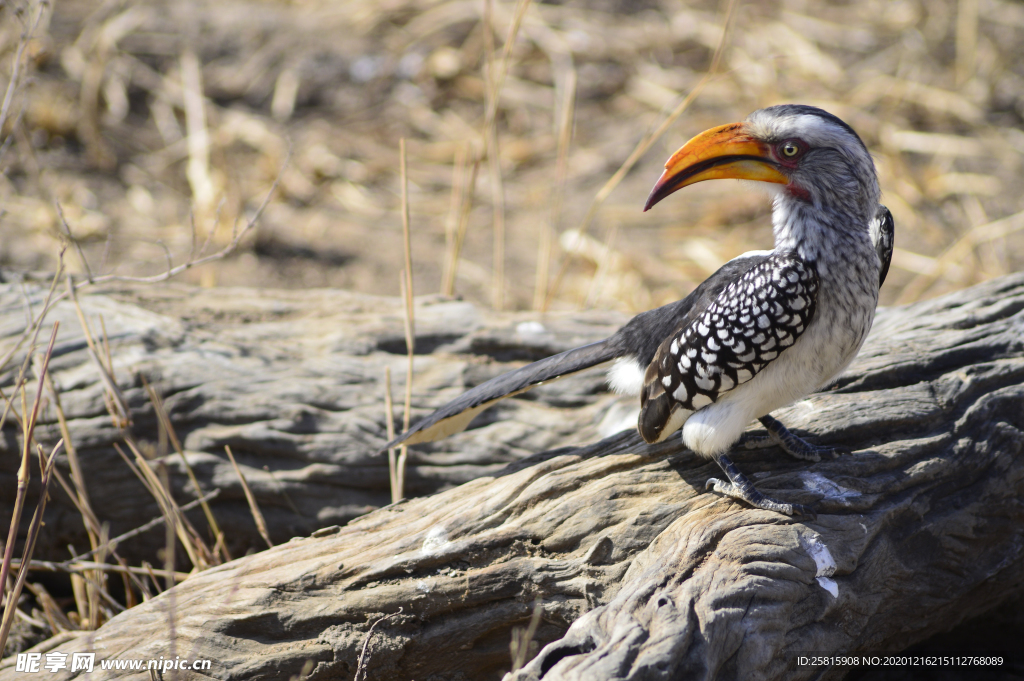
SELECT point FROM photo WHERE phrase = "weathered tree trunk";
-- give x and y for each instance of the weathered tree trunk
(293, 382)
(640, 572)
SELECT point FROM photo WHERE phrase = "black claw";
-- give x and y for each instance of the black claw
(839, 451)
(805, 511)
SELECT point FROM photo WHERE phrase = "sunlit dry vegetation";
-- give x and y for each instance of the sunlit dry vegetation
(143, 118)
(149, 134)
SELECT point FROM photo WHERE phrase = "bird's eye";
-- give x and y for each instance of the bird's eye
(790, 149)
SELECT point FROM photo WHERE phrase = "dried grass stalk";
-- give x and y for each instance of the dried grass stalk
(389, 420)
(165, 424)
(257, 515)
(410, 324)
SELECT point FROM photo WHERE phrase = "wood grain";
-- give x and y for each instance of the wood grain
(641, 573)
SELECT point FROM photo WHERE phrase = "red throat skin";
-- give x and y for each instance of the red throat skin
(798, 192)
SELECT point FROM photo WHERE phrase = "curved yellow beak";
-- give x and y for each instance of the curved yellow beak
(725, 152)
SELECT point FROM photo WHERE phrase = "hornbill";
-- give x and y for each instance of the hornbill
(765, 330)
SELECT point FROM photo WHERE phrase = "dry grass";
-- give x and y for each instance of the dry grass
(522, 647)
(88, 579)
(142, 120)
(408, 293)
(94, 601)
(146, 134)
(257, 515)
(28, 419)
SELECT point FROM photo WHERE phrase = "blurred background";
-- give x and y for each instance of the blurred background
(534, 133)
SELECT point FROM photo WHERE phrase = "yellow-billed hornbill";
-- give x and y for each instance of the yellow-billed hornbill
(766, 329)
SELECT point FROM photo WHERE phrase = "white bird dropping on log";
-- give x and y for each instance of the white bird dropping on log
(826, 565)
(816, 482)
(435, 541)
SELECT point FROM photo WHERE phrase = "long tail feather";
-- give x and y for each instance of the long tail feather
(455, 416)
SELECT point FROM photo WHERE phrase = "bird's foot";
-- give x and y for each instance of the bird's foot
(758, 500)
(739, 487)
(796, 447)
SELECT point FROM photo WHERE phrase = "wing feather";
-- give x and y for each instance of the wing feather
(754, 319)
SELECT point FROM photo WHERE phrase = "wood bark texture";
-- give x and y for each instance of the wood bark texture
(640, 573)
(293, 382)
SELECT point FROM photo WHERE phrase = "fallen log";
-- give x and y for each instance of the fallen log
(292, 381)
(639, 572)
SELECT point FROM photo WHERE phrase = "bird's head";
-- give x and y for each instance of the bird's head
(813, 157)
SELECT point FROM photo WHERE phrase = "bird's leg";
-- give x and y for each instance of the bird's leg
(739, 487)
(795, 446)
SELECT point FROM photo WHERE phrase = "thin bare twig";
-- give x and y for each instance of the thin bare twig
(97, 583)
(519, 646)
(116, 402)
(460, 235)
(32, 330)
(451, 224)
(55, 617)
(19, 53)
(167, 254)
(254, 508)
(398, 492)
(187, 535)
(73, 240)
(80, 495)
(90, 520)
(361, 666)
(495, 78)
(410, 327)
(145, 527)
(389, 421)
(151, 573)
(30, 540)
(172, 522)
(230, 248)
(548, 230)
(76, 566)
(28, 426)
(165, 423)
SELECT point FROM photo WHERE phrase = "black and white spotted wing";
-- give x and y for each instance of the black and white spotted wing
(755, 318)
